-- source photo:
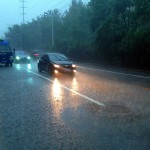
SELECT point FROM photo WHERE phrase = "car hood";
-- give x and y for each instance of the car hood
(63, 62)
(22, 55)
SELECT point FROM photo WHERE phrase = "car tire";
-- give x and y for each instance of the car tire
(50, 71)
(39, 68)
(11, 64)
(6, 64)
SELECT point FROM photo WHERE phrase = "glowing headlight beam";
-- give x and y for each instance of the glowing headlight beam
(29, 66)
(56, 66)
(17, 58)
(73, 65)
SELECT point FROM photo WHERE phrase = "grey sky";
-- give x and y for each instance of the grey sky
(10, 10)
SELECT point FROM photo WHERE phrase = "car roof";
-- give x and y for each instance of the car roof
(37, 51)
(54, 54)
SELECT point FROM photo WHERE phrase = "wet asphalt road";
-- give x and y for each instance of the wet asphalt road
(94, 110)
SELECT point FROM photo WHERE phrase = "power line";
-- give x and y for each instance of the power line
(59, 3)
(64, 7)
(52, 6)
(61, 6)
(35, 4)
(23, 20)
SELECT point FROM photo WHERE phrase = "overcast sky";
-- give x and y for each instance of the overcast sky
(11, 11)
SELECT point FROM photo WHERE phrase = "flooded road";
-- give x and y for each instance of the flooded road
(92, 110)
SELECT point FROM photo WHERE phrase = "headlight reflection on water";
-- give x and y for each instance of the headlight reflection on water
(30, 80)
(18, 67)
(74, 85)
(29, 66)
(56, 90)
(56, 95)
(60, 99)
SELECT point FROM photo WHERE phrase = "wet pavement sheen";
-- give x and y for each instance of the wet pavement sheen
(41, 114)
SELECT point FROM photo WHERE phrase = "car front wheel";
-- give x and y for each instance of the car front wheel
(50, 71)
(11, 64)
(6, 64)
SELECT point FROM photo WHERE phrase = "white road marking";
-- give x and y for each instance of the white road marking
(126, 74)
(68, 89)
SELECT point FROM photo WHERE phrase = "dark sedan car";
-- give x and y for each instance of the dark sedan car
(54, 63)
(21, 56)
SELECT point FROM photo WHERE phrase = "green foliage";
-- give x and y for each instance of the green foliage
(122, 36)
(110, 31)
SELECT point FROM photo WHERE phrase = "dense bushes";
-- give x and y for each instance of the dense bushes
(108, 31)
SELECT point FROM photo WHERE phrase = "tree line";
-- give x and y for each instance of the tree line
(115, 32)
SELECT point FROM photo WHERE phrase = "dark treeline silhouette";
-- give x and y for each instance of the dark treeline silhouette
(113, 32)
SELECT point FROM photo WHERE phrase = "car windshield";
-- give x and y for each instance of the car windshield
(5, 48)
(36, 52)
(20, 53)
(58, 57)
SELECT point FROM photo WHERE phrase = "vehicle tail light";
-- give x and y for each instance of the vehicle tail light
(36, 54)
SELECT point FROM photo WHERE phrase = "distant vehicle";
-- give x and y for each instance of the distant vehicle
(54, 63)
(36, 54)
(6, 54)
(21, 56)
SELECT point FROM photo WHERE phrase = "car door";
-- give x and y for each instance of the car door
(45, 62)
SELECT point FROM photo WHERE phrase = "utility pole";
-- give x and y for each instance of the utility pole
(52, 26)
(52, 30)
(23, 20)
(23, 11)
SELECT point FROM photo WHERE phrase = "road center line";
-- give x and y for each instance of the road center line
(68, 89)
(126, 74)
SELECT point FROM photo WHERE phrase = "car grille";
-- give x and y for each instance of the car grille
(67, 66)
(23, 58)
(3, 56)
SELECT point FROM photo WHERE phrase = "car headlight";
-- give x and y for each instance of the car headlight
(28, 57)
(73, 65)
(56, 66)
(17, 57)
